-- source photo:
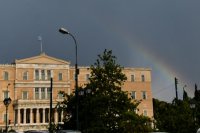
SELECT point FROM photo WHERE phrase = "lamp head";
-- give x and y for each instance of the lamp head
(63, 31)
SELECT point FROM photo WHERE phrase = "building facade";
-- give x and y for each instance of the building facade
(27, 83)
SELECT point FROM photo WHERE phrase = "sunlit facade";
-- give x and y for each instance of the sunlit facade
(27, 83)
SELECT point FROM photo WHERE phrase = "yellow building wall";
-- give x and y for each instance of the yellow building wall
(4, 86)
(18, 85)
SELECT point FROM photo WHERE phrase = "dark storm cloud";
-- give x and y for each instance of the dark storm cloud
(169, 29)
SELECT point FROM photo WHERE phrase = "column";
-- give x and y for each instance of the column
(49, 117)
(43, 120)
(56, 116)
(37, 115)
(31, 115)
(15, 118)
(40, 74)
(18, 116)
(24, 115)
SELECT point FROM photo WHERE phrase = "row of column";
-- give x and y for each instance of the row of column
(36, 115)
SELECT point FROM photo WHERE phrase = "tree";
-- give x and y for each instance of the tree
(196, 93)
(174, 117)
(185, 96)
(196, 102)
(103, 106)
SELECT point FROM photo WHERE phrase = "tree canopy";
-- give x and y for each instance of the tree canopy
(103, 106)
(180, 116)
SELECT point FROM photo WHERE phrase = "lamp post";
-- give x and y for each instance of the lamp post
(6, 102)
(84, 94)
(51, 110)
(65, 31)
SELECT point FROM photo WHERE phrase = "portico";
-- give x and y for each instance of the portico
(28, 115)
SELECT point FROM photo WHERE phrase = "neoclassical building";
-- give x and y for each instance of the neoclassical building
(27, 83)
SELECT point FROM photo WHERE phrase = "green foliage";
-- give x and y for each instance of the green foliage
(176, 117)
(103, 106)
(196, 110)
(52, 127)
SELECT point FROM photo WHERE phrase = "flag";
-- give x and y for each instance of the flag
(39, 38)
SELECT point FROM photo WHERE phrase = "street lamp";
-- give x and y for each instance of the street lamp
(85, 95)
(65, 31)
(6, 102)
(51, 111)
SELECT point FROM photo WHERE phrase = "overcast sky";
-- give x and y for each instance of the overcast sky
(157, 34)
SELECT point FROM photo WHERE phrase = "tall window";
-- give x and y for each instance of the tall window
(132, 78)
(24, 95)
(6, 76)
(48, 74)
(48, 93)
(144, 95)
(133, 95)
(143, 78)
(36, 93)
(6, 94)
(87, 77)
(43, 74)
(42, 93)
(145, 112)
(25, 75)
(60, 76)
(37, 74)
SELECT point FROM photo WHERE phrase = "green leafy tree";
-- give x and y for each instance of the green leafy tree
(103, 106)
(175, 117)
(196, 109)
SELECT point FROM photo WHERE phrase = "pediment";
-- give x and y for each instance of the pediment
(42, 59)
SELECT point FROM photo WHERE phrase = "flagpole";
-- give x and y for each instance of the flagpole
(40, 39)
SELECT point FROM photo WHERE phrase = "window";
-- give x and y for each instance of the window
(43, 74)
(143, 78)
(60, 76)
(6, 75)
(48, 74)
(24, 95)
(144, 95)
(133, 95)
(37, 74)
(6, 94)
(145, 112)
(48, 93)
(60, 95)
(42, 93)
(36, 93)
(132, 78)
(25, 76)
(87, 77)
(136, 110)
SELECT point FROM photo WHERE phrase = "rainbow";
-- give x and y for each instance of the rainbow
(162, 74)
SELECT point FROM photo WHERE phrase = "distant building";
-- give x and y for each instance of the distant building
(28, 84)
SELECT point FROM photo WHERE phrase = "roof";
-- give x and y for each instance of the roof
(42, 59)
